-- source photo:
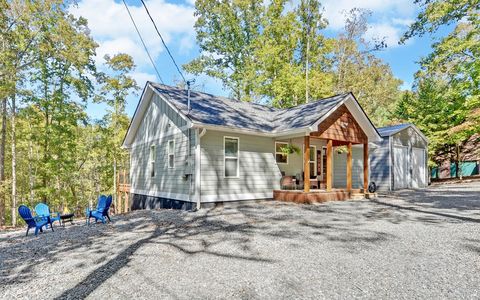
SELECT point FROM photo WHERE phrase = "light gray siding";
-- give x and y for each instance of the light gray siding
(295, 161)
(383, 160)
(409, 138)
(161, 124)
(259, 174)
(340, 168)
(380, 165)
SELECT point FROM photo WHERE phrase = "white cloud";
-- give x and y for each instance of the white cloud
(142, 77)
(111, 27)
(388, 33)
(389, 17)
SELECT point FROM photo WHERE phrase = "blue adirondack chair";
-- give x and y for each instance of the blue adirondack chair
(36, 222)
(101, 212)
(42, 210)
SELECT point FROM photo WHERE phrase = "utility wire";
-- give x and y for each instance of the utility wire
(144, 45)
(164, 44)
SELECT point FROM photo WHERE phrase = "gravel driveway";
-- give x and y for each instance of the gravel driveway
(396, 247)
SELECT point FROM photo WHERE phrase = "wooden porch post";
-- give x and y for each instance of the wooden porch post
(349, 167)
(329, 164)
(365, 168)
(306, 164)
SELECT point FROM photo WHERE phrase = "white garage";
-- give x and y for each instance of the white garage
(400, 160)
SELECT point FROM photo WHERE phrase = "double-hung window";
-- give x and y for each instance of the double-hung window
(152, 157)
(280, 156)
(171, 154)
(231, 156)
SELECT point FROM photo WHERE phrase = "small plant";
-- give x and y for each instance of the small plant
(289, 149)
(341, 149)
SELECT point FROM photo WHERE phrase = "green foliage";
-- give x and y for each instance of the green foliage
(226, 33)
(263, 50)
(276, 52)
(359, 71)
(289, 149)
(46, 63)
(446, 102)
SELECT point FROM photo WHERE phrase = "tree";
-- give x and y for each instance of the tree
(114, 91)
(357, 70)
(314, 47)
(60, 83)
(264, 51)
(451, 71)
(226, 32)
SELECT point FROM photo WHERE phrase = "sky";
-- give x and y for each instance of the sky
(111, 27)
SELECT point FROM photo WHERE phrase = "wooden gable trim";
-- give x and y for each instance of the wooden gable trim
(341, 126)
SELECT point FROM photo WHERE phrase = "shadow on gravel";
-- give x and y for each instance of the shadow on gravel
(473, 245)
(423, 211)
(226, 233)
(459, 197)
(25, 255)
(104, 271)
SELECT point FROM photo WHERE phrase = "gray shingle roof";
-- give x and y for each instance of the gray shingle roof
(391, 130)
(212, 110)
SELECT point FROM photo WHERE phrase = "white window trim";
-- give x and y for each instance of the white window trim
(168, 154)
(315, 162)
(280, 163)
(152, 160)
(225, 157)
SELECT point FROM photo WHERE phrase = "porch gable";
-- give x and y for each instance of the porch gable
(341, 127)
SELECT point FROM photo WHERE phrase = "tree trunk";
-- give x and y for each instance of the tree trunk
(3, 142)
(457, 162)
(14, 166)
(306, 66)
(31, 177)
(115, 200)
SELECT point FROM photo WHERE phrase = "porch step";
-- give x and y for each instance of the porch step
(358, 196)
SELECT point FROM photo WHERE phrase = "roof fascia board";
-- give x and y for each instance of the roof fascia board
(175, 109)
(296, 132)
(136, 120)
(375, 136)
(416, 130)
(315, 125)
(360, 116)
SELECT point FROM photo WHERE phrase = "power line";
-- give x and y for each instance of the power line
(144, 45)
(164, 44)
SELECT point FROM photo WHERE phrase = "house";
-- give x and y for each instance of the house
(399, 161)
(188, 152)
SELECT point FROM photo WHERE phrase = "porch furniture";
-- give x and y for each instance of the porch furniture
(101, 212)
(36, 222)
(42, 210)
(314, 183)
(288, 182)
(66, 217)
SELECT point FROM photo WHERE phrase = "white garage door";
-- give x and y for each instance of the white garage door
(400, 157)
(418, 168)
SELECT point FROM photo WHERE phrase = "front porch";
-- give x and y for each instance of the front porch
(317, 196)
(336, 136)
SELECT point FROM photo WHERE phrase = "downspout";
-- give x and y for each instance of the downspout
(390, 150)
(198, 167)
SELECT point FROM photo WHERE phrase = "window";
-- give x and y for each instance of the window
(280, 157)
(171, 154)
(231, 162)
(152, 160)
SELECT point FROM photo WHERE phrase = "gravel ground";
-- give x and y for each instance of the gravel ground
(391, 248)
